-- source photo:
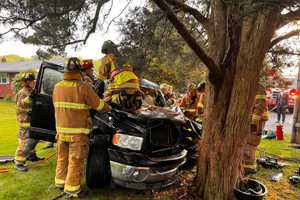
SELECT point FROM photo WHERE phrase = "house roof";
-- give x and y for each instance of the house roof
(25, 65)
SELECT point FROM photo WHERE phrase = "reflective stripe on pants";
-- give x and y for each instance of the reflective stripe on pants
(72, 131)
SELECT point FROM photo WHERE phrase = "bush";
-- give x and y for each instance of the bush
(8, 98)
(16, 83)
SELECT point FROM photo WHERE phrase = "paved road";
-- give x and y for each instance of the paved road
(271, 123)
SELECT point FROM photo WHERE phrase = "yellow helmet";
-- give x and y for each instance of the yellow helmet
(28, 76)
(192, 86)
(163, 86)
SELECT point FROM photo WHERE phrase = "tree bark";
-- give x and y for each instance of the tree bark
(241, 51)
(296, 116)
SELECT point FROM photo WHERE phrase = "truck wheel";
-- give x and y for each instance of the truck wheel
(98, 172)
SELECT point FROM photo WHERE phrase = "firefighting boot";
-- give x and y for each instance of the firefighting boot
(34, 158)
(21, 167)
(81, 194)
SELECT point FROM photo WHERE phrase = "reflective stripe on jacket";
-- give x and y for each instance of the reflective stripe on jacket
(72, 99)
(124, 79)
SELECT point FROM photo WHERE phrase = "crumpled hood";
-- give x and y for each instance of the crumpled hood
(159, 113)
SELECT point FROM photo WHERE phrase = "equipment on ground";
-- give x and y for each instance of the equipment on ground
(269, 134)
(5, 159)
(250, 189)
(295, 179)
(277, 177)
(3, 170)
(269, 162)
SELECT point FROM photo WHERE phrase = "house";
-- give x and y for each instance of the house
(9, 70)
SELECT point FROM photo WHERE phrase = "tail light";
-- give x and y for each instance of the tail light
(294, 92)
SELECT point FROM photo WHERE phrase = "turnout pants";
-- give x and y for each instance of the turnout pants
(249, 161)
(26, 146)
(72, 151)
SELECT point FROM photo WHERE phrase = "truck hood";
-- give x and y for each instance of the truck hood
(154, 112)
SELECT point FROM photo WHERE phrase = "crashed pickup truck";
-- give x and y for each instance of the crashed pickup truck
(139, 150)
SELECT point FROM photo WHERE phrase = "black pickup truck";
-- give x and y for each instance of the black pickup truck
(139, 150)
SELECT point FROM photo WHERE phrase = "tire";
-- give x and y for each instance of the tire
(191, 159)
(98, 172)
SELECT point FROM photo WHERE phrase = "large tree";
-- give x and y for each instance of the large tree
(239, 33)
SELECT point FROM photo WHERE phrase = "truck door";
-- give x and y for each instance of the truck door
(42, 125)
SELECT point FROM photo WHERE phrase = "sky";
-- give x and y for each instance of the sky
(92, 49)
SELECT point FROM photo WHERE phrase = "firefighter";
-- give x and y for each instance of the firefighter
(26, 148)
(72, 99)
(282, 105)
(258, 118)
(87, 71)
(202, 100)
(167, 90)
(123, 85)
(190, 103)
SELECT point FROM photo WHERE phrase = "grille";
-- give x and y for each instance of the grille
(163, 135)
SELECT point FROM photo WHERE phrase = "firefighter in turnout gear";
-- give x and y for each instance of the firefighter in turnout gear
(26, 148)
(190, 103)
(167, 90)
(123, 88)
(258, 119)
(87, 71)
(202, 100)
(72, 99)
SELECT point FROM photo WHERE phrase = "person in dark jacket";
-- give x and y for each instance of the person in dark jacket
(282, 105)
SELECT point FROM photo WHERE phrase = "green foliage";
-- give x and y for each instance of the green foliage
(55, 24)
(16, 83)
(157, 51)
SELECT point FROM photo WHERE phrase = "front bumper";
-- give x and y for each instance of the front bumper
(147, 177)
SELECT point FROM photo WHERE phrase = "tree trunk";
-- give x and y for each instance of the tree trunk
(230, 102)
(296, 117)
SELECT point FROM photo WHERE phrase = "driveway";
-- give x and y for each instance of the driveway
(271, 123)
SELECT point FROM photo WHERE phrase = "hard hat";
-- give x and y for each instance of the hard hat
(109, 47)
(73, 65)
(192, 86)
(87, 64)
(163, 86)
(28, 76)
(201, 85)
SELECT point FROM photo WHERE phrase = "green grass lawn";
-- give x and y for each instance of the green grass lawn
(281, 190)
(37, 183)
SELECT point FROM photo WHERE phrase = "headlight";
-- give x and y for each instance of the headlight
(128, 141)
